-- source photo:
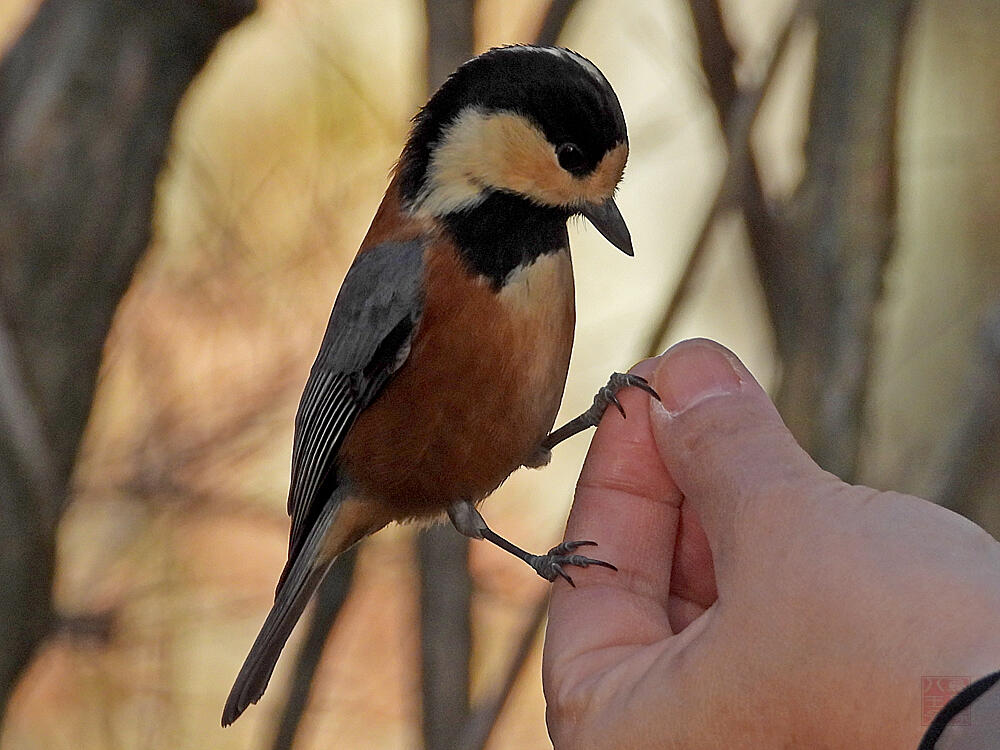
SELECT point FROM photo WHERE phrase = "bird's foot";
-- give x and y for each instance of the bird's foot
(552, 564)
(608, 395)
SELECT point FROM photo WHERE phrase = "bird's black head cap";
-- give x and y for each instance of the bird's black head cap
(559, 91)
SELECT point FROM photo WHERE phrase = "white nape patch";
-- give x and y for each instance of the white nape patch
(539, 289)
(568, 54)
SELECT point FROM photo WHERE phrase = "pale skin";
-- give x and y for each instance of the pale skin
(759, 601)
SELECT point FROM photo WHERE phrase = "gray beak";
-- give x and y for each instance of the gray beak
(609, 222)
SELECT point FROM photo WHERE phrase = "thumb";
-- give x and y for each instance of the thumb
(727, 449)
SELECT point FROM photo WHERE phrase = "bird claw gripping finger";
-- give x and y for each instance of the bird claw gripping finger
(551, 565)
(608, 395)
(605, 397)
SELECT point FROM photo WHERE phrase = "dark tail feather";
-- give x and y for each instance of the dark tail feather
(298, 581)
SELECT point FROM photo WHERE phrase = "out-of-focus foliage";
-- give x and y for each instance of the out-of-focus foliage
(177, 530)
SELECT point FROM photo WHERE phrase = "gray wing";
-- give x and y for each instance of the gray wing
(367, 340)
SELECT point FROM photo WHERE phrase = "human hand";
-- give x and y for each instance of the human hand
(760, 602)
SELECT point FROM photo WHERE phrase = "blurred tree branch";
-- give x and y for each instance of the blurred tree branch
(718, 57)
(87, 96)
(740, 185)
(554, 21)
(330, 598)
(824, 284)
(98, 627)
(974, 465)
(483, 718)
(443, 554)
(821, 255)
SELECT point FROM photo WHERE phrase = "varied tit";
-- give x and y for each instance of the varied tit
(446, 354)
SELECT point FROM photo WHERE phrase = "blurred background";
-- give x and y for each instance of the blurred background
(184, 184)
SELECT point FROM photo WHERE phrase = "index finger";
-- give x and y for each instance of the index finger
(627, 502)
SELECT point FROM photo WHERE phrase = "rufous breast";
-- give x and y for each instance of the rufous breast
(478, 392)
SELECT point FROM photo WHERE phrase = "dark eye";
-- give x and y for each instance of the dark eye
(570, 157)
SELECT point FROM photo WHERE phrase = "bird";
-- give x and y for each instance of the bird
(446, 354)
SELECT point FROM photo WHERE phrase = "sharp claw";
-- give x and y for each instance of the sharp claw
(550, 565)
(620, 381)
(564, 574)
(642, 384)
(618, 404)
(584, 562)
(562, 549)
